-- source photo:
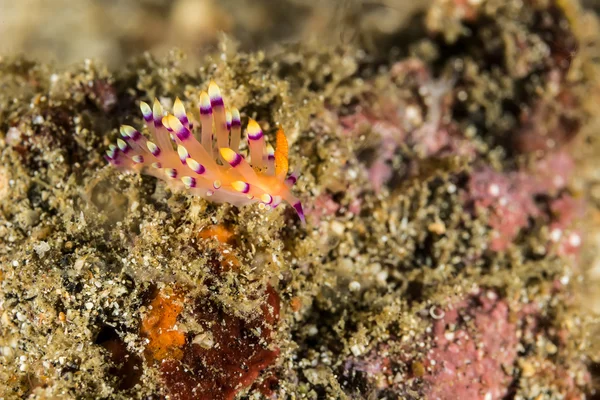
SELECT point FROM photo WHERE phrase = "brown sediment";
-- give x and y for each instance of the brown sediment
(448, 188)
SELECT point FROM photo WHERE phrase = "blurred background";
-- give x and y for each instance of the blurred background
(111, 31)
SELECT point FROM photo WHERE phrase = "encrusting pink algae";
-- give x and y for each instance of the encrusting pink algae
(219, 173)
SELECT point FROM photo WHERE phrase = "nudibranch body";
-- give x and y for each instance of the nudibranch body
(212, 167)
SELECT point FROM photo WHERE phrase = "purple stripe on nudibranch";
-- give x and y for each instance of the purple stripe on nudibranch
(146, 111)
(255, 136)
(123, 146)
(253, 130)
(242, 187)
(171, 173)
(291, 180)
(233, 158)
(183, 154)
(129, 132)
(165, 123)
(153, 148)
(228, 119)
(181, 131)
(157, 113)
(205, 107)
(266, 199)
(298, 208)
(195, 166)
(217, 102)
(179, 111)
(189, 181)
(236, 160)
(258, 177)
(135, 135)
(235, 117)
(183, 134)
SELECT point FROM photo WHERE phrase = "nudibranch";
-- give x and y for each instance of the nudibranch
(213, 166)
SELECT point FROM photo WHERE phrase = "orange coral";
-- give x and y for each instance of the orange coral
(225, 237)
(235, 357)
(165, 341)
(219, 232)
(228, 353)
(296, 304)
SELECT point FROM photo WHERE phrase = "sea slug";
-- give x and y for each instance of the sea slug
(213, 167)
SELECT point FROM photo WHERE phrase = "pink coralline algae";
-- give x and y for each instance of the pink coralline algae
(418, 119)
(511, 200)
(566, 210)
(322, 207)
(472, 350)
(554, 171)
(477, 345)
(212, 168)
(468, 361)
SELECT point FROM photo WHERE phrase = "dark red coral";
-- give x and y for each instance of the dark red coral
(221, 353)
(126, 366)
(238, 350)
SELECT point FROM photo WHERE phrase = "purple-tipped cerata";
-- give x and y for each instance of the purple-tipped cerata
(211, 165)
